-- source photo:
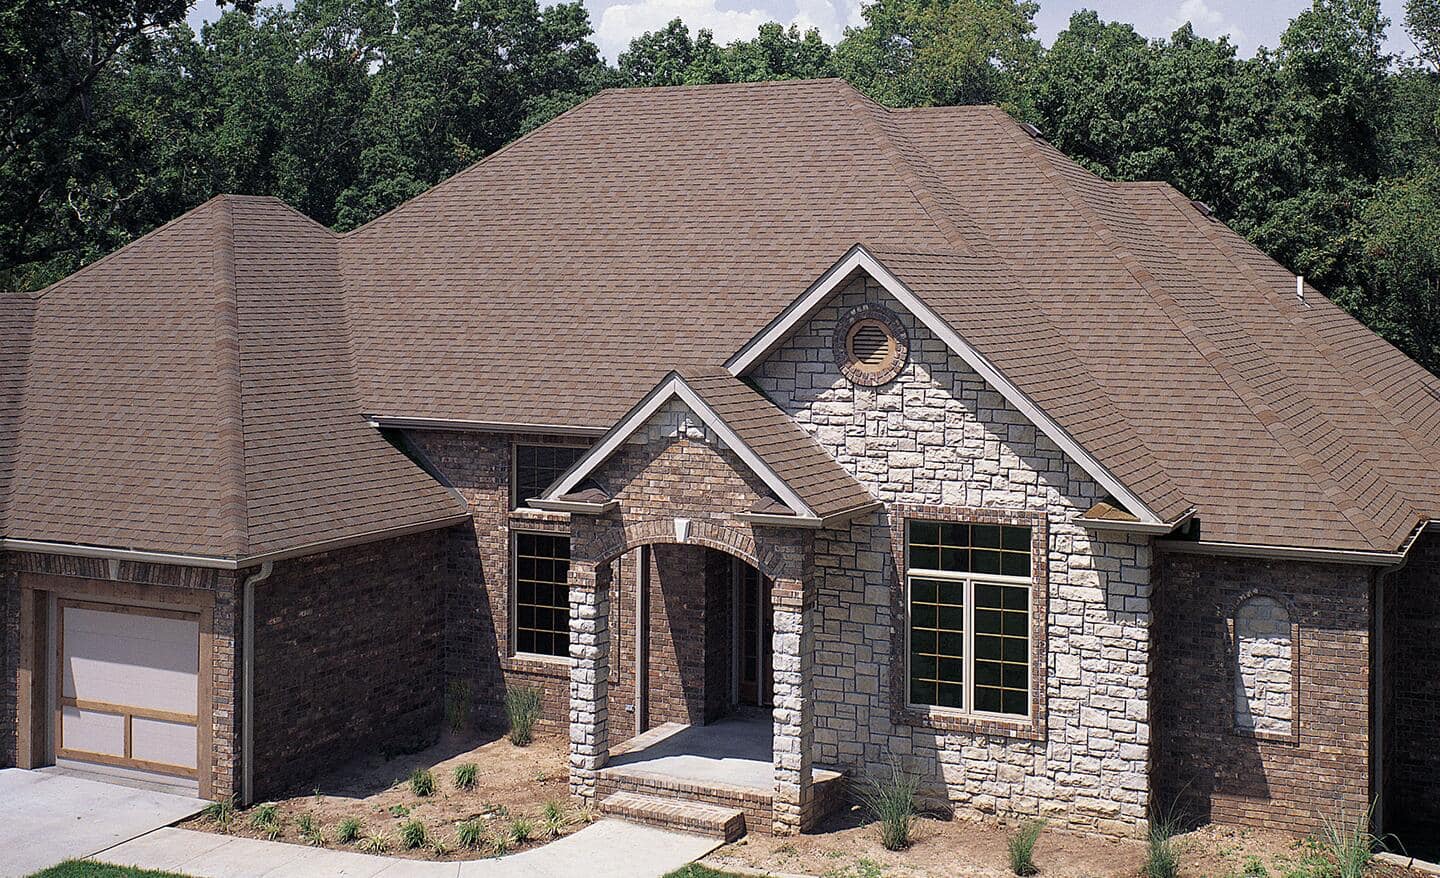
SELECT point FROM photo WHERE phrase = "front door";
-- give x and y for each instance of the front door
(754, 632)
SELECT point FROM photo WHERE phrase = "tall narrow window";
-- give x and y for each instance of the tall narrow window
(968, 588)
(542, 594)
(538, 466)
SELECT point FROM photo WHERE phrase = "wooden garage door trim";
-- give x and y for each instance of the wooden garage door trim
(201, 720)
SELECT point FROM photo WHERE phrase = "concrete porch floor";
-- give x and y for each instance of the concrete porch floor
(733, 751)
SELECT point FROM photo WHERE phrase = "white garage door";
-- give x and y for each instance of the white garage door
(129, 687)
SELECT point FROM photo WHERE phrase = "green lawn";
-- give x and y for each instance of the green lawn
(695, 870)
(82, 869)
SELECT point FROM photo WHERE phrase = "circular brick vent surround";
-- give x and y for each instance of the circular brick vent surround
(870, 345)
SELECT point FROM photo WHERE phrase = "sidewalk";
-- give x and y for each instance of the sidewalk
(608, 849)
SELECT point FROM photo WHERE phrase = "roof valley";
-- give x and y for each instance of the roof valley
(230, 424)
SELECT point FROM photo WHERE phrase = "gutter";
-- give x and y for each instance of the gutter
(407, 423)
(247, 682)
(1135, 527)
(1293, 553)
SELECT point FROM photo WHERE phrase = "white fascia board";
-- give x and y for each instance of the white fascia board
(1293, 553)
(1134, 527)
(859, 258)
(670, 388)
(407, 423)
(77, 550)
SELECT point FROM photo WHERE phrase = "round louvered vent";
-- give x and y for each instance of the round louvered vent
(870, 345)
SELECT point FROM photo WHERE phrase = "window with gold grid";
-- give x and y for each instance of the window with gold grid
(542, 594)
(968, 605)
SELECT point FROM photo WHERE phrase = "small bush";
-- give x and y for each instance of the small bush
(465, 776)
(438, 846)
(522, 709)
(348, 830)
(412, 834)
(1022, 847)
(1161, 860)
(500, 844)
(266, 820)
(472, 834)
(457, 704)
(890, 800)
(375, 843)
(585, 813)
(1254, 867)
(554, 819)
(422, 782)
(1350, 843)
(398, 811)
(311, 832)
(221, 813)
(522, 829)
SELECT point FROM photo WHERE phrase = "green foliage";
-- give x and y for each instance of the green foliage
(522, 709)
(464, 775)
(553, 819)
(1021, 847)
(1161, 858)
(311, 833)
(890, 800)
(265, 817)
(522, 829)
(398, 810)
(422, 782)
(87, 869)
(375, 843)
(472, 834)
(347, 830)
(1349, 843)
(221, 813)
(671, 57)
(412, 834)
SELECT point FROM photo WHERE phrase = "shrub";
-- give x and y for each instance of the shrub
(398, 811)
(221, 813)
(266, 820)
(890, 799)
(472, 834)
(1022, 847)
(348, 830)
(522, 709)
(554, 819)
(1161, 860)
(457, 704)
(500, 844)
(522, 829)
(412, 834)
(1349, 843)
(375, 843)
(311, 832)
(422, 782)
(438, 846)
(465, 775)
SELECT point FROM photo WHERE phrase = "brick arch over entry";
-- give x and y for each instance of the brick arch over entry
(611, 542)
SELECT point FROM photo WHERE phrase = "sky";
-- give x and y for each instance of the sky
(1249, 23)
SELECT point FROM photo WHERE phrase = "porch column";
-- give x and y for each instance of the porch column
(589, 675)
(794, 604)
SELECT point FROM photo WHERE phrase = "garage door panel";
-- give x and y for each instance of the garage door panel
(133, 659)
(92, 731)
(158, 741)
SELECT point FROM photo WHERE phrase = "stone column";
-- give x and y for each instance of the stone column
(794, 607)
(589, 675)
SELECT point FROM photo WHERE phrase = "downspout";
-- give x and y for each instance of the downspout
(247, 681)
(1377, 695)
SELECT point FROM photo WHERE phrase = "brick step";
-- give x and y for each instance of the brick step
(715, 821)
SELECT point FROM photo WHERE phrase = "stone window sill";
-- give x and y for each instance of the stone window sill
(1292, 737)
(945, 721)
(538, 665)
(539, 515)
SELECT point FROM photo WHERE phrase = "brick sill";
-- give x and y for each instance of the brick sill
(544, 667)
(941, 721)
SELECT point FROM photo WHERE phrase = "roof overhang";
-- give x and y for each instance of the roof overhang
(408, 423)
(673, 386)
(1134, 525)
(860, 259)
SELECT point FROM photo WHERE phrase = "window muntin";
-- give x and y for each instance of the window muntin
(968, 603)
(542, 594)
(538, 466)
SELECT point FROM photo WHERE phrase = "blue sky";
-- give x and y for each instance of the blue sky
(1250, 23)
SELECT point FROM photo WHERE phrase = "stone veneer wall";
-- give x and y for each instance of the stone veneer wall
(939, 435)
(50, 572)
(1207, 768)
(348, 657)
(1412, 639)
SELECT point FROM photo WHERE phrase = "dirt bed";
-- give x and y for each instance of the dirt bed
(510, 782)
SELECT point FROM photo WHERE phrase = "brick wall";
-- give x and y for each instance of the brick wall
(938, 436)
(9, 657)
(1206, 767)
(348, 657)
(1412, 639)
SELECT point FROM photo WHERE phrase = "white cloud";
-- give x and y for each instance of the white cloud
(619, 23)
(1208, 21)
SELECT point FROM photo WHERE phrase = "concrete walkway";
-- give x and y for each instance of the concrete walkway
(608, 849)
(47, 817)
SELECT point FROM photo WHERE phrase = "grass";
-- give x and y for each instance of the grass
(890, 800)
(695, 870)
(464, 775)
(457, 704)
(472, 834)
(1161, 859)
(311, 832)
(375, 843)
(522, 709)
(553, 819)
(221, 813)
(1022, 847)
(1350, 843)
(413, 835)
(82, 869)
(522, 829)
(348, 830)
(422, 782)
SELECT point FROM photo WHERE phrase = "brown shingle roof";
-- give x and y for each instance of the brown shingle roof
(191, 393)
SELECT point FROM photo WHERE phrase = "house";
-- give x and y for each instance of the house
(754, 421)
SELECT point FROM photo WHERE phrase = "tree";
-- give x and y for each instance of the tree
(913, 53)
(1422, 20)
(671, 57)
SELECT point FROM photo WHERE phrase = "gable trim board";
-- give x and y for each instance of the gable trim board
(858, 258)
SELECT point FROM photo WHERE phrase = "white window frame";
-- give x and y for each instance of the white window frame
(970, 580)
(514, 601)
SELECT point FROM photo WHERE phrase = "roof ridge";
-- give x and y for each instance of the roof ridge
(1200, 340)
(233, 510)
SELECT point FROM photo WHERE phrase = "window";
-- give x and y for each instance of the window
(542, 594)
(538, 466)
(968, 589)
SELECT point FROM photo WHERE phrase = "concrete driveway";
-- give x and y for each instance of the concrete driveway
(46, 818)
